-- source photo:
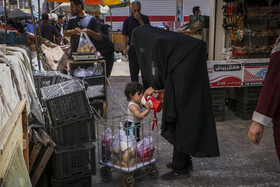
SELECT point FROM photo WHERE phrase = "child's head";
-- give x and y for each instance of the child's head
(132, 88)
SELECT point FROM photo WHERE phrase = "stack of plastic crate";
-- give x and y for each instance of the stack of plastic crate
(218, 102)
(47, 78)
(246, 101)
(72, 128)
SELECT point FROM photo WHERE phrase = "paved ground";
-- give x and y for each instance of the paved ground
(241, 163)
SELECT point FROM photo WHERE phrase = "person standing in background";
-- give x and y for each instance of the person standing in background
(60, 27)
(104, 27)
(82, 22)
(49, 31)
(130, 23)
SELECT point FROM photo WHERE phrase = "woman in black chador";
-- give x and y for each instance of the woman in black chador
(177, 63)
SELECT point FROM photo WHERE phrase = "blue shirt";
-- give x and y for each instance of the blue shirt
(30, 28)
(130, 23)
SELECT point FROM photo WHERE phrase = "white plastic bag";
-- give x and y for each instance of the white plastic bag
(85, 45)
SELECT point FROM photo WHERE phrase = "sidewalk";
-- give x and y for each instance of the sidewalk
(241, 163)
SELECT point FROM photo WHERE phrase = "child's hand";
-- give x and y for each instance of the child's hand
(148, 105)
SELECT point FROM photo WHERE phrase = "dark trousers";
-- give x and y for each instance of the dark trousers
(128, 124)
(180, 161)
(134, 67)
(109, 58)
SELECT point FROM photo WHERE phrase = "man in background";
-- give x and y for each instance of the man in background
(60, 27)
(130, 23)
(49, 31)
(82, 22)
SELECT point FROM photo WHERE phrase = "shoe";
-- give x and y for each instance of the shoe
(190, 166)
(172, 175)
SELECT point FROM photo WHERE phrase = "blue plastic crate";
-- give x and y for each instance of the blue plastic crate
(13, 38)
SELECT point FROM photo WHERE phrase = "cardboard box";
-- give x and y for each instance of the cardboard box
(224, 74)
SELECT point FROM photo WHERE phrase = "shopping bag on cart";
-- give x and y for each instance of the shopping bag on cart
(85, 45)
(145, 149)
(123, 149)
(106, 143)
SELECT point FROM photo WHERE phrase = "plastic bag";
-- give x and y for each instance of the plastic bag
(106, 142)
(145, 149)
(123, 150)
(85, 45)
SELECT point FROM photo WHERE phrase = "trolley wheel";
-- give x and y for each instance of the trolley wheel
(128, 180)
(106, 174)
(152, 171)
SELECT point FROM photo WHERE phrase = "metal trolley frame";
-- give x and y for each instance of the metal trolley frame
(115, 159)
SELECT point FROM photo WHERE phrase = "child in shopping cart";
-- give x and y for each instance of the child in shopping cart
(134, 93)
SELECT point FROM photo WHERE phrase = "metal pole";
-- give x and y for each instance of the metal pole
(111, 19)
(35, 34)
(39, 18)
(5, 10)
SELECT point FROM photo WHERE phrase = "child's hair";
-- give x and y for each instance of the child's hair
(132, 88)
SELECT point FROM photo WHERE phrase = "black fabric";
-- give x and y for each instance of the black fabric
(180, 161)
(177, 63)
(109, 58)
(134, 67)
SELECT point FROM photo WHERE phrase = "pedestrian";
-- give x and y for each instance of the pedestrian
(60, 27)
(268, 107)
(134, 93)
(49, 31)
(176, 63)
(130, 23)
(104, 27)
(83, 22)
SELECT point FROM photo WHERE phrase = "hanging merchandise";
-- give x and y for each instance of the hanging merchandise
(239, 34)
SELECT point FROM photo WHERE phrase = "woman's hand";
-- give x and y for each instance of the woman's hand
(149, 91)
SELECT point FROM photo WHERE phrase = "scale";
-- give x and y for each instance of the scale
(86, 56)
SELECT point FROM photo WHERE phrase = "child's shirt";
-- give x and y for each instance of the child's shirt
(131, 117)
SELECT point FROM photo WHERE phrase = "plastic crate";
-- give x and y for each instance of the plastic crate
(76, 182)
(13, 38)
(43, 79)
(75, 133)
(74, 162)
(99, 106)
(218, 95)
(66, 102)
(219, 111)
(248, 93)
(245, 110)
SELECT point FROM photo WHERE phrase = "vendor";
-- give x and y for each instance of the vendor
(83, 22)
(177, 63)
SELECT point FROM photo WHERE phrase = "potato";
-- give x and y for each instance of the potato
(124, 164)
(125, 156)
(87, 50)
(118, 163)
(116, 150)
(132, 151)
(82, 50)
(79, 50)
(131, 162)
(91, 47)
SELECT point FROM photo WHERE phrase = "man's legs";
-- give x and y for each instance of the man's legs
(133, 64)
(109, 58)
